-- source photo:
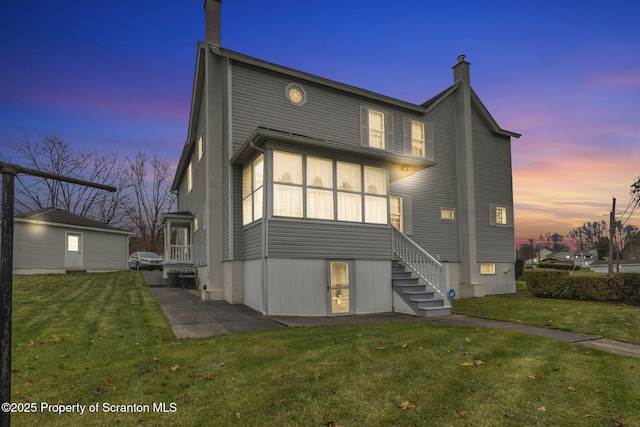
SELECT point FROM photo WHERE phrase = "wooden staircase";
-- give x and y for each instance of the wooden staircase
(419, 296)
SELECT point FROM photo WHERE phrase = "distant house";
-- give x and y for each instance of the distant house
(55, 241)
(300, 195)
(580, 258)
(626, 266)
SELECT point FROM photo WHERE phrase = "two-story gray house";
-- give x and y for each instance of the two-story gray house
(298, 195)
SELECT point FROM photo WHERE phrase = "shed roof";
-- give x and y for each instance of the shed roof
(58, 216)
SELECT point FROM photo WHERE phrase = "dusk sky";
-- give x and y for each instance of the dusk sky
(116, 76)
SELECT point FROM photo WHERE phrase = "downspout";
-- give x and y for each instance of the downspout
(263, 257)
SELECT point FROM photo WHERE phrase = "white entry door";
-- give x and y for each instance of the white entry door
(73, 258)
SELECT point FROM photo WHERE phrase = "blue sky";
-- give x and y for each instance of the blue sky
(116, 77)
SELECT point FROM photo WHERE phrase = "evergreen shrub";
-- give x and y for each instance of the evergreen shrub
(619, 287)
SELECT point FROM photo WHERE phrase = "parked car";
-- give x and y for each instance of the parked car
(145, 261)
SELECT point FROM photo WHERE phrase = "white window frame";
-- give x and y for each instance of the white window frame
(253, 194)
(200, 146)
(501, 215)
(487, 268)
(374, 134)
(417, 141)
(396, 218)
(189, 177)
(445, 211)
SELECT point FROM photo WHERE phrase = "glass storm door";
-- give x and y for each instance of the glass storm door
(339, 288)
(73, 257)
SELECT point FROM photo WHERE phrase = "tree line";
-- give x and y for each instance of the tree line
(143, 187)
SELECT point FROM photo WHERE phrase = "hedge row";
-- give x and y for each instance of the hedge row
(558, 266)
(620, 287)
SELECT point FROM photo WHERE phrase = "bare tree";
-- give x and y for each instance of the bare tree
(150, 182)
(588, 235)
(51, 153)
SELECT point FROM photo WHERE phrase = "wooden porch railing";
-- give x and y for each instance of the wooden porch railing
(180, 254)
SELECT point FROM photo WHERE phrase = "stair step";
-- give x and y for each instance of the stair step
(406, 281)
(434, 311)
(401, 274)
(429, 303)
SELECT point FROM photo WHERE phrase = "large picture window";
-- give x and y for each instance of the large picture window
(252, 191)
(315, 188)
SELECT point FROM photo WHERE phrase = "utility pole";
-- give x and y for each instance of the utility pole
(612, 223)
(9, 172)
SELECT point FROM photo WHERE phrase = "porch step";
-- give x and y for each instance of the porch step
(421, 298)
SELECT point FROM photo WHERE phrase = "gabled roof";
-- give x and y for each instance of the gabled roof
(475, 99)
(199, 80)
(58, 216)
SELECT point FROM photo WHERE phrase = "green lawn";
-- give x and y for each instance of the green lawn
(616, 321)
(102, 340)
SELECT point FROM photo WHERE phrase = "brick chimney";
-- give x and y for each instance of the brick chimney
(212, 21)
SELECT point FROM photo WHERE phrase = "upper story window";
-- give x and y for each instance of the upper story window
(252, 191)
(500, 215)
(417, 138)
(376, 129)
(189, 177)
(200, 146)
(319, 188)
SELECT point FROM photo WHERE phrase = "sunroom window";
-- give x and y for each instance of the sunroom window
(375, 199)
(319, 188)
(287, 187)
(349, 194)
(252, 190)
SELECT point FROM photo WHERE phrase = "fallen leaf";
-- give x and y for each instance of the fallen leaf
(467, 340)
(238, 415)
(406, 405)
(208, 377)
(571, 388)
(316, 375)
(56, 339)
(404, 345)
(589, 416)
(542, 409)
(175, 367)
(479, 362)
(155, 359)
(533, 377)
(467, 364)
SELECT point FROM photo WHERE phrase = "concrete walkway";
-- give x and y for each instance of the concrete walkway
(190, 317)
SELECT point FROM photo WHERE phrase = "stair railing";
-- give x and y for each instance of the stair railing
(422, 263)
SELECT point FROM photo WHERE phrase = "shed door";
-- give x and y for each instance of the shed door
(73, 257)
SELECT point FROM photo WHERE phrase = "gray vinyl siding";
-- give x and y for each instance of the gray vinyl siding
(252, 241)
(43, 247)
(297, 287)
(238, 239)
(252, 286)
(373, 291)
(434, 188)
(337, 240)
(38, 247)
(493, 186)
(227, 179)
(259, 100)
(104, 251)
